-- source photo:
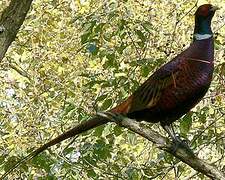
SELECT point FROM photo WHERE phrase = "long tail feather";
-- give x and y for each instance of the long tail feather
(80, 128)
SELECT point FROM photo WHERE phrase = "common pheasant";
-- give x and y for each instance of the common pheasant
(168, 93)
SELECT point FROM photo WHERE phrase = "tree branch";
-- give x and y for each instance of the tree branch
(183, 153)
(11, 20)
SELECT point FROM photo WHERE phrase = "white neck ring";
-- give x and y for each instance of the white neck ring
(202, 36)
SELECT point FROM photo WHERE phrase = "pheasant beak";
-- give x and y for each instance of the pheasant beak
(214, 8)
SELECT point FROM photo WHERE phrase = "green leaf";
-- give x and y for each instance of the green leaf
(203, 114)
(2, 158)
(68, 150)
(111, 63)
(98, 131)
(10, 162)
(185, 124)
(102, 150)
(132, 173)
(99, 27)
(122, 35)
(122, 24)
(70, 106)
(145, 71)
(118, 130)
(107, 103)
(111, 56)
(43, 161)
(88, 26)
(141, 44)
(85, 37)
(132, 138)
(121, 48)
(141, 35)
(91, 173)
(147, 26)
(101, 98)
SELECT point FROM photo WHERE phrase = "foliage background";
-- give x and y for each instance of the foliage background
(73, 58)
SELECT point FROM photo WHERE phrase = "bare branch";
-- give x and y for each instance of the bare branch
(183, 153)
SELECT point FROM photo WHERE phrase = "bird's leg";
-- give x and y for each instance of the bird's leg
(170, 130)
(176, 139)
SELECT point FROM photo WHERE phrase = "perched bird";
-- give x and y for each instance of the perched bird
(179, 85)
(168, 93)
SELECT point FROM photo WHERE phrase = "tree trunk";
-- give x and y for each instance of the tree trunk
(11, 20)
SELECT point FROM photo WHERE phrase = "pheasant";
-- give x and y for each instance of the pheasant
(168, 93)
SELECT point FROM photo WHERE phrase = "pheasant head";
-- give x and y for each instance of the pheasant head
(203, 18)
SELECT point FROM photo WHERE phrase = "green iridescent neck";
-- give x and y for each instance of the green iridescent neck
(202, 28)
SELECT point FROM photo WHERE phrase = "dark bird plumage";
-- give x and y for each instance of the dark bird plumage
(179, 85)
(171, 91)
